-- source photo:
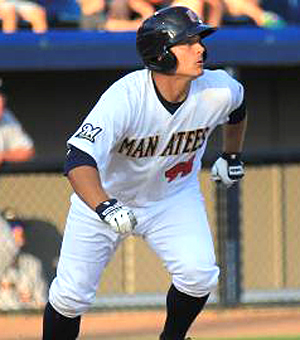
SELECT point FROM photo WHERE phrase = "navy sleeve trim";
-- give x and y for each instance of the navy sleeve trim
(76, 157)
(239, 114)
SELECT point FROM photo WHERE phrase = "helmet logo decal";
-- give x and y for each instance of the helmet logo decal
(193, 16)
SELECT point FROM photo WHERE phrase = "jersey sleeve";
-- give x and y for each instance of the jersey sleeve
(104, 125)
(237, 93)
(234, 97)
(239, 114)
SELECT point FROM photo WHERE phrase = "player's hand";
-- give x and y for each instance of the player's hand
(121, 219)
(228, 169)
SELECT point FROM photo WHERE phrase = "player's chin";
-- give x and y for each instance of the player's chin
(200, 69)
(198, 73)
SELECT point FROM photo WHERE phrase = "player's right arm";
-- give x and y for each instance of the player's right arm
(84, 177)
(89, 149)
(86, 182)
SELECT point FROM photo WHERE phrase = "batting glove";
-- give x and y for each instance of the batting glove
(119, 218)
(228, 169)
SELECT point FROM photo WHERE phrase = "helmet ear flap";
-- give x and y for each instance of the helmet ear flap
(167, 62)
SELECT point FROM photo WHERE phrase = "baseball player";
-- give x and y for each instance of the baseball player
(133, 164)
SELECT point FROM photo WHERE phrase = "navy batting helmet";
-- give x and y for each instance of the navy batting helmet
(164, 29)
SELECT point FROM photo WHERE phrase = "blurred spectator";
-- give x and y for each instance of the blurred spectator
(128, 14)
(253, 10)
(210, 11)
(22, 285)
(93, 14)
(29, 10)
(213, 11)
(8, 249)
(15, 143)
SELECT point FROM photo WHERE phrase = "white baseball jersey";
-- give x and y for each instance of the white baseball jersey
(143, 152)
(12, 135)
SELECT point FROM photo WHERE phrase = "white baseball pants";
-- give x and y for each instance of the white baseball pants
(176, 228)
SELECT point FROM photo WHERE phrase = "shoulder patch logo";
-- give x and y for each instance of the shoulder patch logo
(89, 132)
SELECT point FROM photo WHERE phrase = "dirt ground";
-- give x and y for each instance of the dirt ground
(246, 322)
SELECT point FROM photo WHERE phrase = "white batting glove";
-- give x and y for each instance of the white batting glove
(121, 219)
(228, 169)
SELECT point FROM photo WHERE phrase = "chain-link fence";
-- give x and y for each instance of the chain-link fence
(255, 226)
(270, 233)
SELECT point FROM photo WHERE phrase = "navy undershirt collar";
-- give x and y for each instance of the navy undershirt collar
(170, 106)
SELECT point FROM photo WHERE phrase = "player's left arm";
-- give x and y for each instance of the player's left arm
(229, 168)
(234, 136)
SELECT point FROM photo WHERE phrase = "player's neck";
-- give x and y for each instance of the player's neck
(173, 89)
